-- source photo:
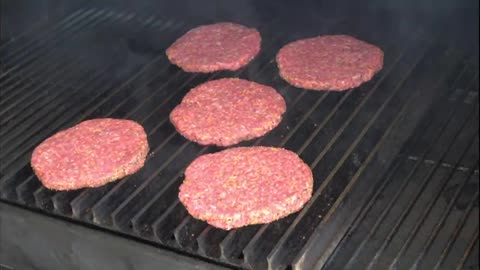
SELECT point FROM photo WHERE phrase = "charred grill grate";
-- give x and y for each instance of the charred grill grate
(380, 200)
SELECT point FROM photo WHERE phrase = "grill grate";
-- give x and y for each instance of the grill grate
(382, 198)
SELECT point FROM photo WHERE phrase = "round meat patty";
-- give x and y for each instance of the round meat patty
(220, 46)
(90, 154)
(246, 185)
(226, 111)
(329, 62)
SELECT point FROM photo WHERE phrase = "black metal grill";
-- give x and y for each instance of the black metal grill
(396, 180)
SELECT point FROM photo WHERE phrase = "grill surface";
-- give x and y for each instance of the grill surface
(395, 161)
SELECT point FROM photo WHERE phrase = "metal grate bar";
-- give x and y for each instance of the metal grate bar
(212, 230)
(432, 203)
(220, 234)
(287, 137)
(145, 183)
(22, 151)
(33, 64)
(354, 198)
(315, 245)
(323, 124)
(171, 139)
(208, 229)
(456, 233)
(171, 135)
(441, 223)
(21, 188)
(162, 230)
(228, 241)
(67, 199)
(186, 233)
(426, 145)
(31, 138)
(455, 148)
(34, 29)
(15, 77)
(37, 108)
(136, 217)
(344, 136)
(87, 193)
(24, 82)
(350, 238)
(262, 232)
(250, 252)
(407, 209)
(469, 249)
(23, 45)
(26, 94)
(157, 203)
(21, 59)
(51, 55)
(166, 130)
(110, 95)
(279, 254)
(32, 53)
(64, 63)
(59, 124)
(48, 61)
(208, 241)
(93, 81)
(426, 213)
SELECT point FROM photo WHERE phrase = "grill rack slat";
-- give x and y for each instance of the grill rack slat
(59, 125)
(186, 233)
(420, 222)
(86, 195)
(307, 142)
(169, 183)
(38, 52)
(420, 143)
(48, 62)
(176, 200)
(50, 31)
(170, 224)
(25, 166)
(441, 222)
(39, 28)
(31, 140)
(278, 253)
(309, 249)
(404, 213)
(458, 228)
(468, 251)
(343, 195)
(320, 156)
(26, 82)
(25, 122)
(297, 125)
(106, 89)
(207, 242)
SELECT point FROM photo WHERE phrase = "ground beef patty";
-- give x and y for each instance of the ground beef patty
(90, 154)
(220, 46)
(246, 185)
(329, 62)
(226, 111)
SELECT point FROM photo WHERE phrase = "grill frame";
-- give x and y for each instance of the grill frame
(93, 206)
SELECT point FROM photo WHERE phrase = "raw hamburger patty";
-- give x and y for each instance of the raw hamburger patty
(90, 154)
(246, 185)
(226, 111)
(220, 46)
(329, 62)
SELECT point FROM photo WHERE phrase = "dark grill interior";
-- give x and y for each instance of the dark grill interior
(395, 161)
